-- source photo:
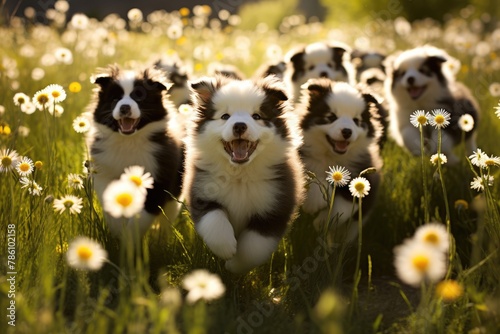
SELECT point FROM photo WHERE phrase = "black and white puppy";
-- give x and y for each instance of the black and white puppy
(419, 79)
(131, 126)
(244, 177)
(273, 68)
(318, 60)
(177, 73)
(341, 127)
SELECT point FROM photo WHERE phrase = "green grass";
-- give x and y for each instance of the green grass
(306, 287)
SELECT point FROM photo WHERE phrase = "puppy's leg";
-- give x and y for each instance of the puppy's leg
(411, 139)
(217, 232)
(314, 200)
(254, 249)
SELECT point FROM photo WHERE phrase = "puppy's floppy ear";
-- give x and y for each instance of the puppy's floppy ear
(155, 79)
(436, 60)
(105, 75)
(317, 88)
(204, 89)
(273, 87)
(338, 51)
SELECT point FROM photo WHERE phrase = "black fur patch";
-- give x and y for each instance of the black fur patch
(433, 65)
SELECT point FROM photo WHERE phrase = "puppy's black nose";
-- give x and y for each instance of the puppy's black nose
(323, 75)
(346, 133)
(125, 109)
(239, 128)
(411, 80)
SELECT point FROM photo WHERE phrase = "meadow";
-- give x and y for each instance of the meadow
(307, 286)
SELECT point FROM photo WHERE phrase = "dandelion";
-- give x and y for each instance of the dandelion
(135, 15)
(20, 99)
(84, 253)
(38, 165)
(338, 176)
(72, 203)
(440, 118)
(37, 74)
(122, 198)
(24, 166)
(449, 290)
(75, 181)
(359, 187)
(466, 123)
(75, 87)
(63, 55)
(438, 158)
(81, 124)
(434, 235)
(33, 187)
(8, 160)
(42, 99)
(478, 157)
(419, 118)
(201, 284)
(57, 92)
(28, 108)
(136, 174)
(416, 262)
(478, 182)
(79, 21)
(5, 129)
(23, 131)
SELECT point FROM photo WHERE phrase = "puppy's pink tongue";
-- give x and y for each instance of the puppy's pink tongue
(240, 149)
(127, 124)
(415, 92)
(341, 146)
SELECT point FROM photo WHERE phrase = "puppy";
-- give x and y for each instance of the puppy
(177, 73)
(244, 176)
(131, 126)
(318, 60)
(341, 127)
(274, 68)
(419, 79)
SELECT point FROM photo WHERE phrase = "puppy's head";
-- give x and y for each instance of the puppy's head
(238, 120)
(339, 117)
(129, 100)
(320, 60)
(418, 73)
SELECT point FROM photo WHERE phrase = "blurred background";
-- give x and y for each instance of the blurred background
(272, 11)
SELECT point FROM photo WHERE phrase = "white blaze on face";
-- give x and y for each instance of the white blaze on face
(127, 83)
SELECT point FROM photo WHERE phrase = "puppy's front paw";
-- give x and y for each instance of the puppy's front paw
(218, 234)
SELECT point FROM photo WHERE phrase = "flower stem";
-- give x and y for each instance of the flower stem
(424, 174)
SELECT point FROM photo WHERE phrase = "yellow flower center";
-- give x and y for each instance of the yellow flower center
(68, 203)
(43, 99)
(337, 176)
(55, 94)
(422, 119)
(124, 199)
(81, 124)
(432, 238)
(75, 87)
(6, 161)
(24, 166)
(21, 100)
(439, 119)
(136, 179)
(421, 263)
(84, 253)
(360, 187)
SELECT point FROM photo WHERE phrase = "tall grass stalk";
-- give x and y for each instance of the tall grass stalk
(424, 174)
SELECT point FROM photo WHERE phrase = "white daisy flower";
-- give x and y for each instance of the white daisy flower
(497, 110)
(84, 253)
(8, 160)
(466, 123)
(57, 92)
(20, 99)
(56, 110)
(419, 118)
(42, 100)
(201, 284)
(478, 157)
(72, 203)
(416, 262)
(75, 181)
(63, 55)
(435, 158)
(24, 166)
(338, 176)
(491, 161)
(79, 21)
(434, 235)
(440, 118)
(122, 198)
(81, 124)
(478, 183)
(136, 174)
(359, 187)
(33, 188)
(28, 108)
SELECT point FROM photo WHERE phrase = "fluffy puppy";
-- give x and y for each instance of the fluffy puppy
(132, 126)
(226, 70)
(177, 73)
(419, 79)
(318, 60)
(366, 60)
(341, 128)
(244, 176)
(277, 69)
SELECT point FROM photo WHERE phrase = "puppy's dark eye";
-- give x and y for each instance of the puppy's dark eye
(225, 117)
(310, 68)
(256, 117)
(330, 65)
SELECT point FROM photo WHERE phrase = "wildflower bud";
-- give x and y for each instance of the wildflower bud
(49, 199)
(38, 165)
(369, 170)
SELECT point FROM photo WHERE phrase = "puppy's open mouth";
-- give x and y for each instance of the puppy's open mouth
(128, 125)
(339, 146)
(240, 150)
(416, 91)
